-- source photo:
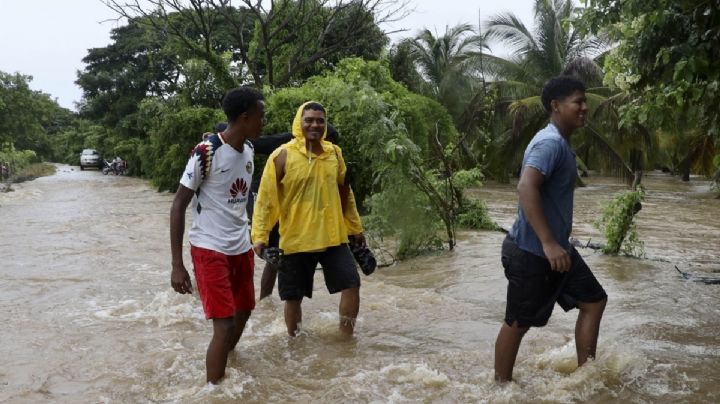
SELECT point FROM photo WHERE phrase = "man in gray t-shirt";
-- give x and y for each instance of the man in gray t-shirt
(550, 154)
(541, 266)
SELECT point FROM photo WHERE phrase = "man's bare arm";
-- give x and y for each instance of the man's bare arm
(179, 277)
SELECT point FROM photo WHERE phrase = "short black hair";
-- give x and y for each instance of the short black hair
(315, 107)
(557, 88)
(239, 100)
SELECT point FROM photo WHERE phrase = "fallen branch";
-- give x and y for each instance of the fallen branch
(708, 280)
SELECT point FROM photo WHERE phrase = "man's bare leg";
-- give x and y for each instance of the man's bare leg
(349, 308)
(587, 329)
(293, 316)
(240, 319)
(217, 352)
(267, 281)
(506, 350)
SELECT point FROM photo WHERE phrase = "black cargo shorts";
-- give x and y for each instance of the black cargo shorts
(534, 288)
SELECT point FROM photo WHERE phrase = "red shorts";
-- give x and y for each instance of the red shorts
(225, 282)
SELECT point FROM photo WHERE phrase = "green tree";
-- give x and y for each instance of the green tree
(401, 62)
(117, 77)
(29, 119)
(198, 29)
(553, 48)
(449, 64)
(448, 68)
(146, 62)
(295, 40)
(668, 64)
(276, 46)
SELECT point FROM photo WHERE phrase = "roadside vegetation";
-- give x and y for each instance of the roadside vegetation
(420, 120)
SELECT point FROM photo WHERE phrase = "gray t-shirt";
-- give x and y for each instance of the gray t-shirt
(550, 154)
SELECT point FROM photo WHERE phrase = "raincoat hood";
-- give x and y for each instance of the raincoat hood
(297, 132)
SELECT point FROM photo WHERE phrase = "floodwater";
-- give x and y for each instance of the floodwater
(89, 316)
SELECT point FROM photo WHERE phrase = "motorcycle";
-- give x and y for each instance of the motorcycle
(117, 168)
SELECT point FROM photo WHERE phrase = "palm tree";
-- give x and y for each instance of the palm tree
(447, 64)
(554, 48)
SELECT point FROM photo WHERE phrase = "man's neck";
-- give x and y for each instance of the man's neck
(234, 138)
(314, 146)
(564, 131)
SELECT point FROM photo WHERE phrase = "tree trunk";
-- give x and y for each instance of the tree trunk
(686, 174)
(637, 179)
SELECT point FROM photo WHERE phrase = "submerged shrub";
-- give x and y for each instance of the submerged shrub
(618, 226)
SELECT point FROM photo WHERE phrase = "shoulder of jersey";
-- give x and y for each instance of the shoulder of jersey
(205, 151)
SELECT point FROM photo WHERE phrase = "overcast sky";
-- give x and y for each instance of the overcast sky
(47, 39)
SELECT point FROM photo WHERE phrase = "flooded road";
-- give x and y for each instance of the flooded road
(89, 316)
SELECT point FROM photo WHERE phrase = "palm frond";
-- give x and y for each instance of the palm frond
(508, 29)
(702, 155)
(525, 110)
(584, 69)
(605, 149)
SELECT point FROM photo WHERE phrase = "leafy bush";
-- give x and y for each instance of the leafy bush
(474, 215)
(17, 159)
(618, 226)
(173, 133)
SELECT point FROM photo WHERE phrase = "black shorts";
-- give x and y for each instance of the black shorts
(534, 288)
(295, 277)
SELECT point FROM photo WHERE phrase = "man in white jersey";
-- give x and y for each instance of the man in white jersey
(219, 173)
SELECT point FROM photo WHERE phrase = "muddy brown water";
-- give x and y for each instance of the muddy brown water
(88, 314)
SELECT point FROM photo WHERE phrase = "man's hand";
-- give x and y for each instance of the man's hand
(558, 257)
(258, 248)
(180, 279)
(358, 240)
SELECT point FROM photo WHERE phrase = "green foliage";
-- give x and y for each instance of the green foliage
(475, 215)
(401, 61)
(450, 66)
(84, 134)
(405, 215)
(173, 133)
(617, 224)
(667, 55)
(17, 159)
(667, 63)
(200, 87)
(467, 178)
(318, 37)
(472, 213)
(29, 119)
(139, 62)
(166, 54)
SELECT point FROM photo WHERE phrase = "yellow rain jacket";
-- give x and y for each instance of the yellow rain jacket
(307, 200)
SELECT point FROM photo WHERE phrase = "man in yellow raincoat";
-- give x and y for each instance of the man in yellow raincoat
(303, 188)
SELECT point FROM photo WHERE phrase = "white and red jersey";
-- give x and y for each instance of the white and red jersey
(220, 175)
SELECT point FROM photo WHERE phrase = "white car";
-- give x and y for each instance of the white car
(90, 158)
